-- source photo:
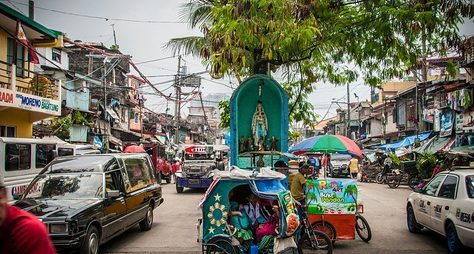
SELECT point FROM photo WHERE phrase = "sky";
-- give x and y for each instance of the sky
(145, 41)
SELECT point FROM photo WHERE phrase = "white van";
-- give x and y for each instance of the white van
(21, 159)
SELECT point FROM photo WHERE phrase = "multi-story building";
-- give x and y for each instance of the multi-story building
(26, 95)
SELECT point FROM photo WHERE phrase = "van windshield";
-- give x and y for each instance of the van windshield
(67, 186)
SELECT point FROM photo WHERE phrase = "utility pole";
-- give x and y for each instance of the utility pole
(348, 129)
(104, 83)
(177, 110)
(31, 9)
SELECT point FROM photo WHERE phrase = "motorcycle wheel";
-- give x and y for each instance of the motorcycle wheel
(413, 181)
(393, 181)
(379, 178)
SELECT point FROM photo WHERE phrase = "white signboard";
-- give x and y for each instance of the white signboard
(9, 98)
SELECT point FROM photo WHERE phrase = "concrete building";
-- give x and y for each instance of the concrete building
(26, 95)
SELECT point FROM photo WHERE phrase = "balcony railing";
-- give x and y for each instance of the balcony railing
(28, 82)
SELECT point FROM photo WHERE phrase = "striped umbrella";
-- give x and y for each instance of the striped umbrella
(327, 144)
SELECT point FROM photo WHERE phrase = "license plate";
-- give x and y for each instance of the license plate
(193, 181)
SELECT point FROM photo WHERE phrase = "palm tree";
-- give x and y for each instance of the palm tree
(197, 14)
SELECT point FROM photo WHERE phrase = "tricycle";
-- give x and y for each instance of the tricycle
(333, 208)
(246, 211)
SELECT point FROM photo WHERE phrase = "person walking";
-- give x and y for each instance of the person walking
(21, 232)
(353, 167)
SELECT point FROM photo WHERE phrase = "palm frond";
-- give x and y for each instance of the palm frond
(186, 45)
(196, 12)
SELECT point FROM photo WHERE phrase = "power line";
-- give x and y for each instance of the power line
(154, 60)
(103, 18)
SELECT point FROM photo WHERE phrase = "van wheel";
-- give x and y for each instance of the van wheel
(147, 222)
(179, 189)
(91, 242)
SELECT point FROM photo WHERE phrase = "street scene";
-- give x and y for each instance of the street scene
(236, 126)
(387, 218)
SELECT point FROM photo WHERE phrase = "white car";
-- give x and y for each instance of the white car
(446, 206)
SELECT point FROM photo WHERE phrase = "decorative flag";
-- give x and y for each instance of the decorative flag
(21, 36)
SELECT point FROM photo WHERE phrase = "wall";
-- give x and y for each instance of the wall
(77, 98)
(48, 53)
(19, 119)
(135, 125)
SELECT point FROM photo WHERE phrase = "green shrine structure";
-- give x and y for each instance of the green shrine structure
(258, 122)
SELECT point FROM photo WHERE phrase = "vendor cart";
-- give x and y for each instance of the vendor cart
(333, 208)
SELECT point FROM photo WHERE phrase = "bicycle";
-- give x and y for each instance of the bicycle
(310, 240)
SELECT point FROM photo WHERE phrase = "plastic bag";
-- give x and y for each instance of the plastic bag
(284, 245)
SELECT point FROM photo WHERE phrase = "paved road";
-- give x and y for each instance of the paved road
(174, 230)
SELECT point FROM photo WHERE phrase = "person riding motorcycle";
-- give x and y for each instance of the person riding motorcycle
(387, 165)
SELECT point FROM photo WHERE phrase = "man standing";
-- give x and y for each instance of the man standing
(20, 231)
(353, 167)
(298, 183)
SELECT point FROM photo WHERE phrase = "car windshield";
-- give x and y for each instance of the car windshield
(66, 186)
(470, 186)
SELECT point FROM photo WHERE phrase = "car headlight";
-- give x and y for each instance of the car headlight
(58, 228)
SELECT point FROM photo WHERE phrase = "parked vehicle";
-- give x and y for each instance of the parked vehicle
(21, 159)
(84, 201)
(446, 206)
(196, 171)
(339, 164)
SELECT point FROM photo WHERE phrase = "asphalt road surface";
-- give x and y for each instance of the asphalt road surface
(174, 229)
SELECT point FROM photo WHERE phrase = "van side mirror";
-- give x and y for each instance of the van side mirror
(17, 195)
(113, 193)
(418, 189)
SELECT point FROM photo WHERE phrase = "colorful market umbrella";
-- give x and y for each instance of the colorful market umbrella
(134, 149)
(327, 144)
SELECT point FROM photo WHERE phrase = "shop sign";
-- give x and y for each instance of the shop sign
(10, 98)
(6, 97)
(37, 103)
(446, 122)
(331, 196)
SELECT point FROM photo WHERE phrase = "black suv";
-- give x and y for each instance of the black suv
(86, 200)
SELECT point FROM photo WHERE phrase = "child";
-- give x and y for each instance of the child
(240, 224)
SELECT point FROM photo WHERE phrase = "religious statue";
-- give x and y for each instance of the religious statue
(260, 162)
(273, 143)
(249, 145)
(259, 124)
(243, 145)
(261, 145)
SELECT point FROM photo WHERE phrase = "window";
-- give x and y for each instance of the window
(448, 189)
(56, 55)
(470, 186)
(433, 185)
(44, 154)
(20, 56)
(7, 131)
(136, 117)
(18, 157)
(138, 174)
(65, 151)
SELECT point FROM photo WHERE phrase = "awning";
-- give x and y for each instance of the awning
(115, 141)
(407, 141)
(435, 144)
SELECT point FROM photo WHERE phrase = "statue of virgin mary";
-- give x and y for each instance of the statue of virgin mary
(259, 124)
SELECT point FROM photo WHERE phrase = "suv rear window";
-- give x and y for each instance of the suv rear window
(470, 186)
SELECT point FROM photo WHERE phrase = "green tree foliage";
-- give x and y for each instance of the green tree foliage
(224, 108)
(61, 126)
(425, 164)
(320, 40)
